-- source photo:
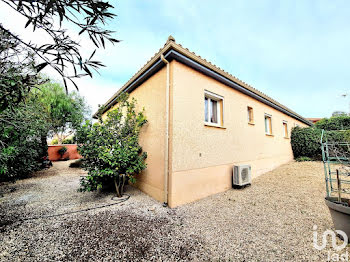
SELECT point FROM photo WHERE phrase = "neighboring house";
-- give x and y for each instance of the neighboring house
(201, 122)
(314, 120)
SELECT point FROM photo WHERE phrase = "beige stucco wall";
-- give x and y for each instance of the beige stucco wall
(151, 96)
(202, 156)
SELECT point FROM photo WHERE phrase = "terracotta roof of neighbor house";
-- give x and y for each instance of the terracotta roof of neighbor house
(314, 119)
(178, 52)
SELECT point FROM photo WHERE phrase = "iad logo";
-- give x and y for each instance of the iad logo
(333, 237)
(332, 234)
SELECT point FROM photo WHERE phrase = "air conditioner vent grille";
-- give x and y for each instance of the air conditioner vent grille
(245, 175)
(241, 175)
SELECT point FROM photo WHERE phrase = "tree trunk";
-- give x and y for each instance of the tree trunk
(119, 183)
(118, 189)
(116, 183)
(122, 185)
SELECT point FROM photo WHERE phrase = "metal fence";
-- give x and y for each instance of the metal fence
(336, 161)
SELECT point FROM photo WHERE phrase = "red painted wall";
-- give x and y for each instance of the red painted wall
(71, 152)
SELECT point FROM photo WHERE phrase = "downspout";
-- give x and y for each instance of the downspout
(166, 150)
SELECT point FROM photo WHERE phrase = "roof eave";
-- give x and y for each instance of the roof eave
(144, 71)
(177, 52)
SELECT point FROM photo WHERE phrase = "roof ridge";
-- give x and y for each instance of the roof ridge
(171, 43)
(233, 76)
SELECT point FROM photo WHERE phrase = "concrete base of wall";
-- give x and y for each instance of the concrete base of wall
(191, 185)
(152, 191)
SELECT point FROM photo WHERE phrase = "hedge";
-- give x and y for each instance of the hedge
(334, 123)
(306, 141)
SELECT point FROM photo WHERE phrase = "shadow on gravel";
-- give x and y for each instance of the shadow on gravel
(110, 235)
(10, 214)
(8, 187)
(126, 237)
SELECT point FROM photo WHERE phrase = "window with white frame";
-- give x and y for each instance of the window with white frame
(268, 124)
(213, 109)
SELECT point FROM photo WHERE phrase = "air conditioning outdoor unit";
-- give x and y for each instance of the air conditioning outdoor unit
(242, 175)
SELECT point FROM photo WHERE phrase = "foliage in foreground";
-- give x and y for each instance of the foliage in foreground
(25, 125)
(61, 51)
(23, 129)
(111, 149)
(18, 73)
(22, 141)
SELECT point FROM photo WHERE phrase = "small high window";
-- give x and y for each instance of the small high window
(285, 129)
(213, 109)
(250, 115)
(268, 125)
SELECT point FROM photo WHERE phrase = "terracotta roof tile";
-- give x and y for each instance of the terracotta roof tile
(171, 44)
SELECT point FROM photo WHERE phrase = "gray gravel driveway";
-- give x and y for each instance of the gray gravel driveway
(272, 220)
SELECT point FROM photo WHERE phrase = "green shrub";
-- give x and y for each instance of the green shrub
(306, 142)
(26, 121)
(68, 141)
(54, 141)
(76, 164)
(334, 123)
(110, 148)
(303, 159)
(62, 150)
(23, 141)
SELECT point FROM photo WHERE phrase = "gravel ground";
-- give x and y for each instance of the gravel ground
(272, 220)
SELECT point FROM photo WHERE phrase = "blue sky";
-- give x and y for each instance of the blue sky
(297, 52)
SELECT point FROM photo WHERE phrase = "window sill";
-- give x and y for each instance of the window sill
(213, 125)
(286, 137)
(269, 135)
(251, 123)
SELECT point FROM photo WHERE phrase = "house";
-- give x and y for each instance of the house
(202, 121)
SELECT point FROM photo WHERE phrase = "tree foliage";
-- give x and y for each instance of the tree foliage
(111, 149)
(22, 140)
(27, 114)
(18, 73)
(334, 123)
(68, 140)
(22, 128)
(306, 142)
(64, 112)
(25, 127)
(339, 113)
(60, 52)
